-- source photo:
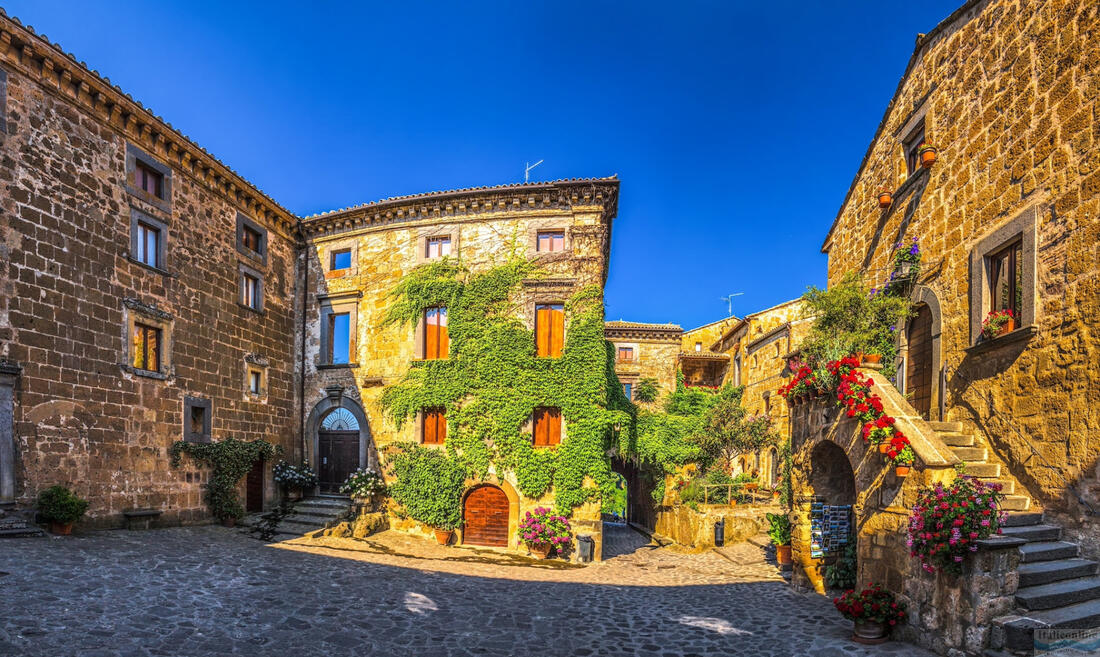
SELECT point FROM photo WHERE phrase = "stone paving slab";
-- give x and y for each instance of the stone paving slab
(209, 591)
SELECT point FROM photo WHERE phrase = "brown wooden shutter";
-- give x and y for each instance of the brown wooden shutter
(539, 431)
(429, 428)
(542, 331)
(444, 338)
(557, 331)
(553, 430)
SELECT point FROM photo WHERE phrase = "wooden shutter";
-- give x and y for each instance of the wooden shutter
(539, 430)
(547, 427)
(436, 340)
(557, 331)
(542, 330)
(435, 426)
(444, 338)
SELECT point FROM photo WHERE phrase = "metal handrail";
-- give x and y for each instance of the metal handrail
(753, 494)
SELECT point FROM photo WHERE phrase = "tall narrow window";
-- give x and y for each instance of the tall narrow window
(339, 338)
(434, 431)
(255, 377)
(436, 341)
(437, 247)
(912, 148)
(148, 179)
(1006, 279)
(251, 291)
(698, 346)
(252, 239)
(550, 241)
(626, 353)
(628, 390)
(148, 244)
(341, 259)
(549, 330)
(196, 419)
(146, 347)
(547, 426)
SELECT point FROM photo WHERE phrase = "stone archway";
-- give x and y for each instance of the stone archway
(831, 517)
(497, 498)
(334, 401)
(831, 476)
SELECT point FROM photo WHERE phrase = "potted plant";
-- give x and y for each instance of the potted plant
(544, 532)
(927, 154)
(364, 485)
(873, 611)
(61, 508)
(885, 197)
(872, 358)
(948, 521)
(779, 531)
(997, 323)
(300, 478)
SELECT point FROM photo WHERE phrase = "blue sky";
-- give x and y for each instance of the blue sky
(735, 127)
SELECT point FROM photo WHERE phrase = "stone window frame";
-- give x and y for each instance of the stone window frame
(255, 364)
(204, 403)
(628, 345)
(341, 245)
(242, 222)
(133, 156)
(904, 135)
(136, 217)
(429, 233)
(135, 312)
(242, 271)
(543, 225)
(420, 334)
(335, 304)
(418, 426)
(3, 101)
(529, 428)
(1023, 228)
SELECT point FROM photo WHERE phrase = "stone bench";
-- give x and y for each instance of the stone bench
(140, 518)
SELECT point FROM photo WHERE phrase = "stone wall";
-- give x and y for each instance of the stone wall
(1008, 91)
(69, 282)
(655, 348)
(695, 529)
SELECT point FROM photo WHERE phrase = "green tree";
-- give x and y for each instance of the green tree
(727, 430)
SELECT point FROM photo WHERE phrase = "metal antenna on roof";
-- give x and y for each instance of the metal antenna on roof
(729, 301)
(527, 170)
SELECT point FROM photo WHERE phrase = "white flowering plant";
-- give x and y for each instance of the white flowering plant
(301, 476)
(363, 483)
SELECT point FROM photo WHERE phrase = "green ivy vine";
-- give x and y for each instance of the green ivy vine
(492, 380)
(230, 459)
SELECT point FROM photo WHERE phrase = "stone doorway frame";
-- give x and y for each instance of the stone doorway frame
(9, 377)
(333, 400)
(925, 295)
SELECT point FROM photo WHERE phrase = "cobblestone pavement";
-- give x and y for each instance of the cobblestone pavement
(213, 591)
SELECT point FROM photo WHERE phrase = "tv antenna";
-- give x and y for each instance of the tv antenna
(729, 301)
(527, 170)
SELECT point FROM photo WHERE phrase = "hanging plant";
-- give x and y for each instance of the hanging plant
(230, 459)
(885, 197)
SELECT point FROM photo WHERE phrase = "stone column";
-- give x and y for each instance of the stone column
(9, 374)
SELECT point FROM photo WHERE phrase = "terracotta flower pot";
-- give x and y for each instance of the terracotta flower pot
(61, 529)
(783, 555)
(883, 447)
(751, 486)
(229, 522)
(902, 470)
(866, 631)
(1007, 327)
(872, 358)
(928, 156)
(885, 199)
(540, 550)
(443, 536)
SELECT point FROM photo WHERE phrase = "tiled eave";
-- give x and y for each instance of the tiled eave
(639, 331)
(60, 74)
(704, 356)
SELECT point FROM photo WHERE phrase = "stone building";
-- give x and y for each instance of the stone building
(644, 351)
(1006, 218)
(149, 294)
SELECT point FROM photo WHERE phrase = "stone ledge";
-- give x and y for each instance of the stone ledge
(1000, 543)
(1022, 334)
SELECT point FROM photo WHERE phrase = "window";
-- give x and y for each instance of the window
(340, 259)
(251, 238)
(698, 346)
(437, 247)
(255, 382)
(626, 353)
(547, 426)
(148, 179)
(148, 245)
(912, 146)
(549, 330)
(628, 390)
(435, 333)
(434, 430)
(251, 291)
(339, 338)
(737, 370)
(550, 241)
(1006, 279)
(196, 420)
(147, 344)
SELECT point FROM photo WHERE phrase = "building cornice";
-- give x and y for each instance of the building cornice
(704, 355)
(620, 330)
(599, 194)
(61, 75)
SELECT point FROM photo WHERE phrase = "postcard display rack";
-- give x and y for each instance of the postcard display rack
(830, 528)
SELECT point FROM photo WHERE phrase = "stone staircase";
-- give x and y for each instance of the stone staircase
(14, 525)
(978, 464)
(310, 514)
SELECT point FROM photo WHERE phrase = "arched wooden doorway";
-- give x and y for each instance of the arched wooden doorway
(918, 361)
(485, 517)
(337, 449)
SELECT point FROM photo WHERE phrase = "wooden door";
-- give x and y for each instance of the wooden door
(918, 369)
(338, 456)
(254, 488)
(485, 517)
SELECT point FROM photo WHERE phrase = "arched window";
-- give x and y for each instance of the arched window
(340, 419)
(774, 465)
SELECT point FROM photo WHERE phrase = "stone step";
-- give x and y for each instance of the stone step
(983, 470)
(21, 532)
(1047, 551)
(1016, 503)
(1045, 572)
(1058, 594)
(1034, 533)
(947, 427)
(957, 439)
(314, 503)
(1017, 632)
(1007, 485)
(971, 454)
(1022, 519)
(314, 512)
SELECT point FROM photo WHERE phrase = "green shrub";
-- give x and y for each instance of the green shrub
(646, 390)
(59, 504)
(231, 459)
(842, 573)
(779, 529)
(429, 485)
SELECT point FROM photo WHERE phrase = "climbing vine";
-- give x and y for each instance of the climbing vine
(230, 460)
(491, 381)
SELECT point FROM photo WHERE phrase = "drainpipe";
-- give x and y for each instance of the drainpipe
(302, 354)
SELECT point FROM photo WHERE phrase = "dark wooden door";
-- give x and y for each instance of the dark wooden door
(918, 370)
(485, 516)
(338, 456)
(254, 488)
